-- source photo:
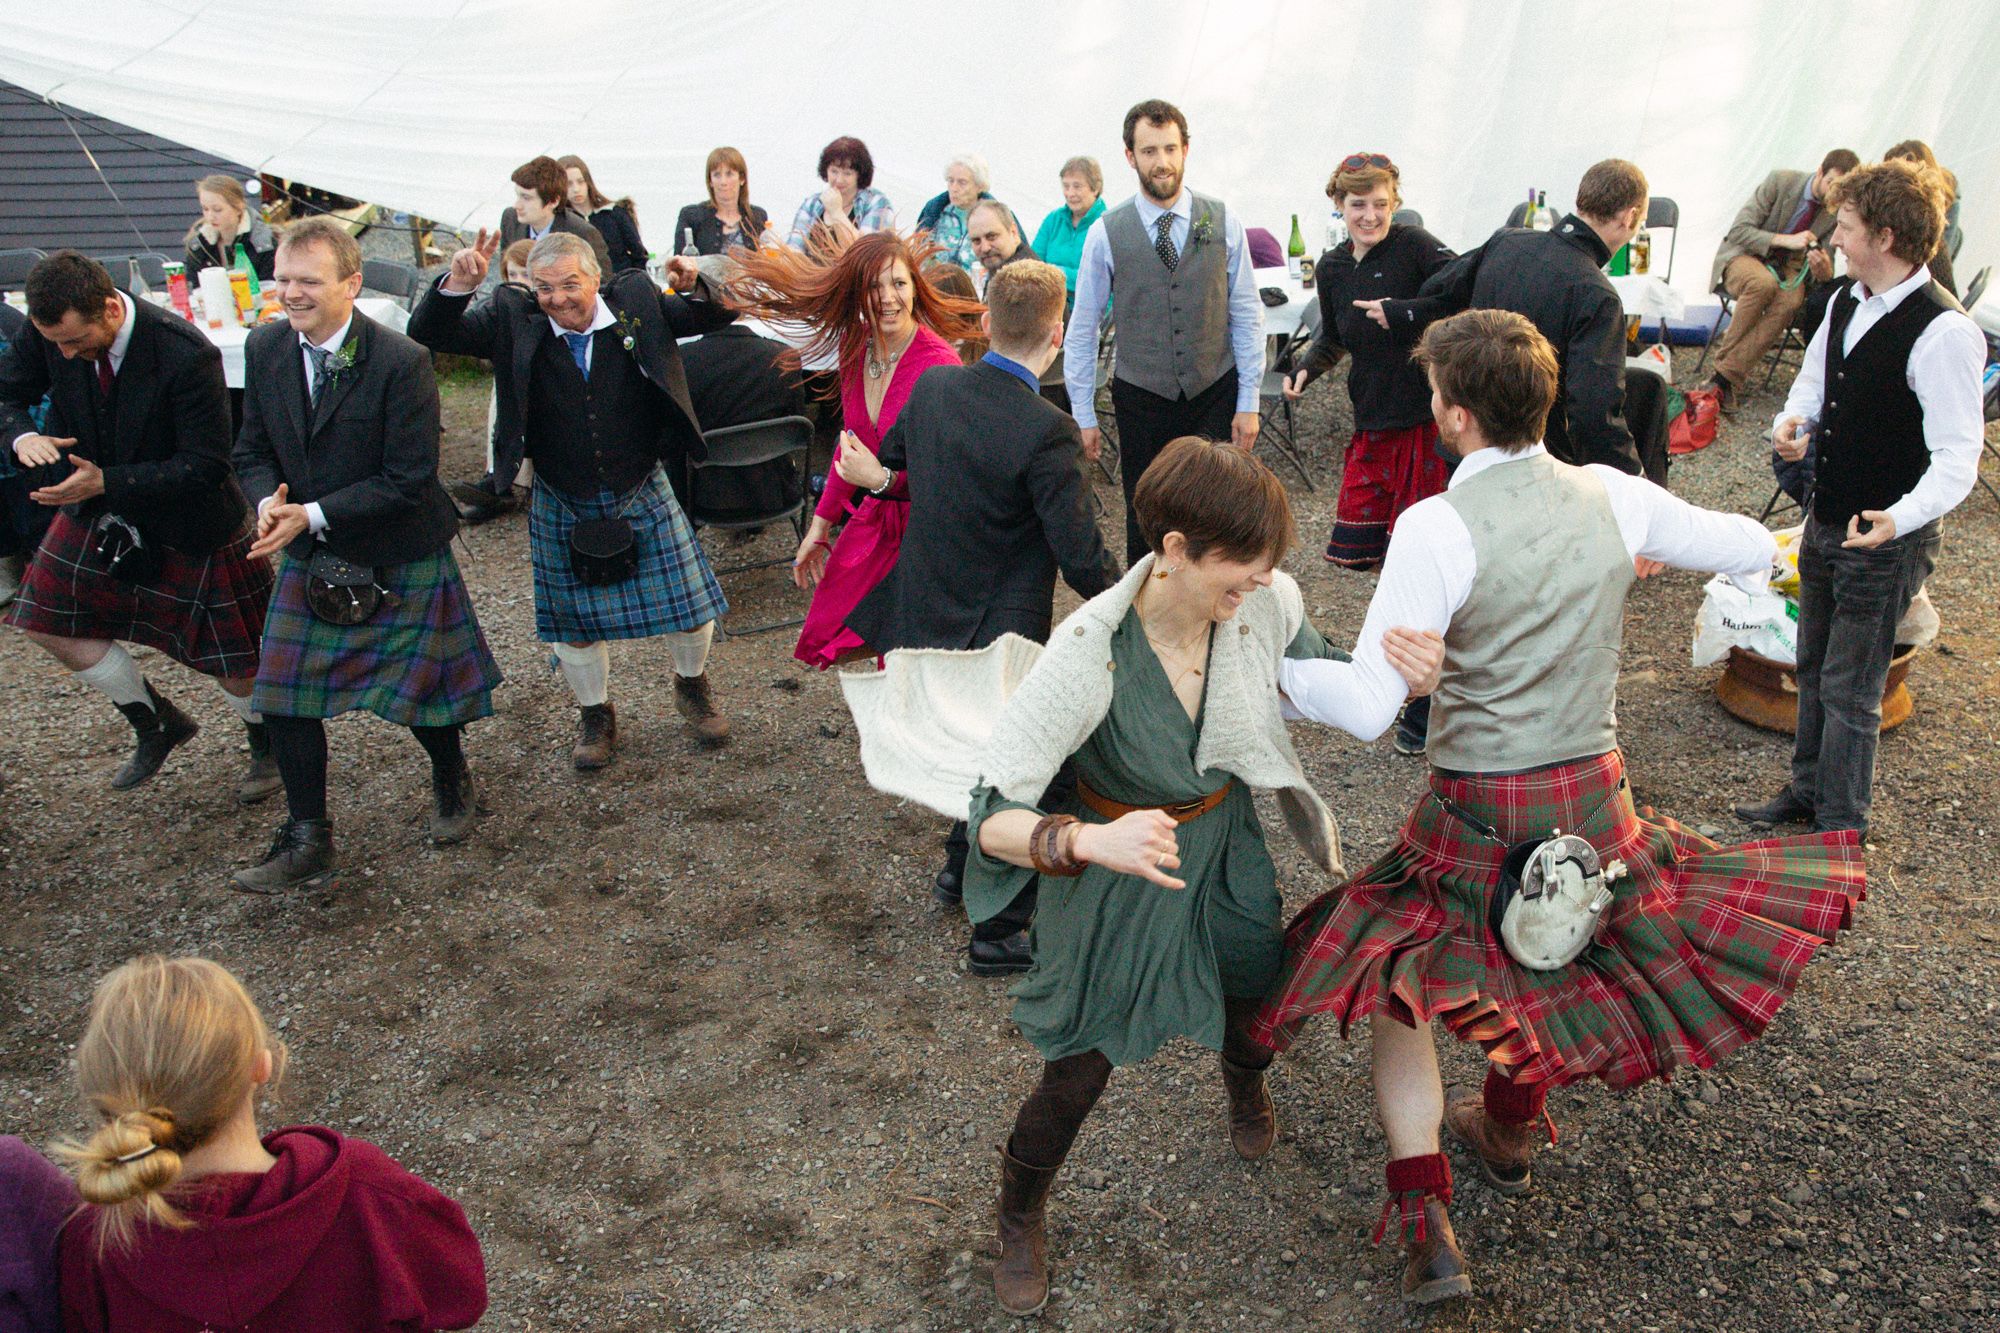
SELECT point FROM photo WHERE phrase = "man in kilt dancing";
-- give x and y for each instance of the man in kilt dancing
(151, 544)
(339, 448)
(590, 387)
(1676, 951)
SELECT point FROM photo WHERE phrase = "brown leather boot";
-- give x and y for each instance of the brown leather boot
(596, 736)
(1505, 1152)
(1253, 1120)
(1436, 1269)
(1021, 1278)
(693, 701)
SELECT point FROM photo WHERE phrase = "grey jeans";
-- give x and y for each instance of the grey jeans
(1849, 603)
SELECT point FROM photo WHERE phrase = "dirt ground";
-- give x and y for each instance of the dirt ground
(694, 1049)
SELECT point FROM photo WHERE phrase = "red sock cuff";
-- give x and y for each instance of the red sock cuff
(1510, 1103)
(1429, 1174)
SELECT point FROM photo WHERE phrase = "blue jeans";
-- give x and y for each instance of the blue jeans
(1849, 604)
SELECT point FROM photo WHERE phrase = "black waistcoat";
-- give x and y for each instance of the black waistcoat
(1870, 439)
(600, 435)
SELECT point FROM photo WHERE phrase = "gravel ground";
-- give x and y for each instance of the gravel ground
(692, 1046)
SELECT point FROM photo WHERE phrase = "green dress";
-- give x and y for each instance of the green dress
(1122, 965)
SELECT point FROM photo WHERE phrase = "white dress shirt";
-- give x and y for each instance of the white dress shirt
(116, 355)
(1095, 286)
(602, 319)
(1429, 571)
(1944, 372)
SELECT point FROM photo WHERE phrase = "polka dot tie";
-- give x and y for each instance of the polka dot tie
(1163, 242)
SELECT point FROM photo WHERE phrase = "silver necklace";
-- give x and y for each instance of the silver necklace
(878, 368)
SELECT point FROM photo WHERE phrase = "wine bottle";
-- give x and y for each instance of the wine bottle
(1295, 250)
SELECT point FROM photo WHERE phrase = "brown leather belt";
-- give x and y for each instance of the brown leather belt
(1180, 811)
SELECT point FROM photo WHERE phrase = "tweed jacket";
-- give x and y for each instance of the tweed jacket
(1769, 211)
(1067, 694)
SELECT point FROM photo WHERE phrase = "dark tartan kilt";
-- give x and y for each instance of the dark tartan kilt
(204, 611)
(422, 661)
(673, 589)
(1698, 950)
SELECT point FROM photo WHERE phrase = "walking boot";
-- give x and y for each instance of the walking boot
(1253, 1120)
(693, 701)
(160, 727)
(260, 781)
(1435, 1270)
(301, 857)
(454, 806)
(596, 737)
(1505, 1152)
(1021, 1278)
(999, 958)
(1787, 807)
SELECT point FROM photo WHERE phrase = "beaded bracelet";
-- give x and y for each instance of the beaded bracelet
(1052, 846)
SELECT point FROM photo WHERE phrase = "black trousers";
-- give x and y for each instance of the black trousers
(1016, 916)
(1147, 423)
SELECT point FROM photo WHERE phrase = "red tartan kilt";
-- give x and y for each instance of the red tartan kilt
(1698, 951)
(204, 611)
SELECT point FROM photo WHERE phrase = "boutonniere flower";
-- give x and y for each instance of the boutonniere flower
(1203, 229)
(342, 361)
(628, 330)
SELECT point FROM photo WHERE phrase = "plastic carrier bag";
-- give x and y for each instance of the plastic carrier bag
(1765, 623)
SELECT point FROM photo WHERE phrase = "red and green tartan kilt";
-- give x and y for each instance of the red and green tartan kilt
(204, 611)
(1699, 949)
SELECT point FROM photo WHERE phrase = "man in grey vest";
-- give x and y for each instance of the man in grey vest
(1523, 565)
(1190, 324)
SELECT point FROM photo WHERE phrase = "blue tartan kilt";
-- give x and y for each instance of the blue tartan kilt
(673, 589)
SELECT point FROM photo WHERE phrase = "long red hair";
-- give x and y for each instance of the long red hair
(829, 288)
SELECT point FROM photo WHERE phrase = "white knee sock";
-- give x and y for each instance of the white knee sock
(241, 703)
(117, 677)
(588, 671)
(690, 649)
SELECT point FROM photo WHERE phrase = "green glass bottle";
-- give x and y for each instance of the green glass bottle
(1295, 250)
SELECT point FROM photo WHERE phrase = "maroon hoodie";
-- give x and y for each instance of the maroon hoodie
(335, 1238)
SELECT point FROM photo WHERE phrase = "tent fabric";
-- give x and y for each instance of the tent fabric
(426, 105)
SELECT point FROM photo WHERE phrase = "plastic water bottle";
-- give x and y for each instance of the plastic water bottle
(688, 251)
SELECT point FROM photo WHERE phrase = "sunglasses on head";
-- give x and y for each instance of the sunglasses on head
(1356, 161)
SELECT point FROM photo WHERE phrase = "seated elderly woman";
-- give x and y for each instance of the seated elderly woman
(726, 220)
(849, 205)
(227, 221)
(1159, 907)
(944, 216)
(1060, 241)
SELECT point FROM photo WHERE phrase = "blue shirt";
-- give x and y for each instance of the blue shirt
(1014, 368)
(1095, 284)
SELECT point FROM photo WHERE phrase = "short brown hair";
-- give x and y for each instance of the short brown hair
(1347, 180)
(1022, 300)
(516, 255)
(1154, 112)
(325, 231)
(1497, 366)
(545, 176)
(1902, 196)
(1840, 161)
(1219, 497)
(68, 280)
(1609, 188)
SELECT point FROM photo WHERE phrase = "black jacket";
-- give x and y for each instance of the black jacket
(735, 377)
(567, 219)
(1556, 279)
(166, 454)
(367, 451)
(1387, 388)
(620, 231)
(708, 228)
(507, 329)
(996, 506)
(257, 239)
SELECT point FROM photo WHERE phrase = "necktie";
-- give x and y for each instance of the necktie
(1163, 242)
(104, 374)
(579, 349)
(319, 356)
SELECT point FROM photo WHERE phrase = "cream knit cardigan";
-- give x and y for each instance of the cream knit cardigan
(923, 720)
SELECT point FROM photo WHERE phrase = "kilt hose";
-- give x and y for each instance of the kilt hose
(1696, 953)
(673, 588)
(422, 661)
(204, 611)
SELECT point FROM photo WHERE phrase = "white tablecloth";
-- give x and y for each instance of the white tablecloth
(230, 338)
(1282, 321)
(1648, 297)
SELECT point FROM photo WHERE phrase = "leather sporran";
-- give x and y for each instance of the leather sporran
(339, 591)
(603, 551)
(118, 548)
(1550, 899)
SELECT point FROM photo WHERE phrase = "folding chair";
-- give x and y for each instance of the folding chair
(1976, 288)
(14, 265)
(752, 445)
(1665, 213)
(148, 268)
(1407, 217)
(1779, 501)
(404, 282)
(1281, 426)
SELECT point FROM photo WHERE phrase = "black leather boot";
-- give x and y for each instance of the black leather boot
(160, 727)
(1787, 807)
(454, 806)
(301, 857)
(998, 958)
(260, 781)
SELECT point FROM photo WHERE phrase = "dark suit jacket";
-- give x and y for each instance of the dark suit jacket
(1556, 279)
(996, 506)
(734, 378)
(567, 219)
(700, 218)
(367, 451)
(166, 458)
(507, 329)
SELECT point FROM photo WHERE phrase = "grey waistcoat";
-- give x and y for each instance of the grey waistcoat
(1173, 328)
(1531, 659)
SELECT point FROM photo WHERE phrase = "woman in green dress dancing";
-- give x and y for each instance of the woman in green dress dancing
(1159, 911)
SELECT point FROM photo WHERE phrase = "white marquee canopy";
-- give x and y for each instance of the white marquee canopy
(426, 105)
